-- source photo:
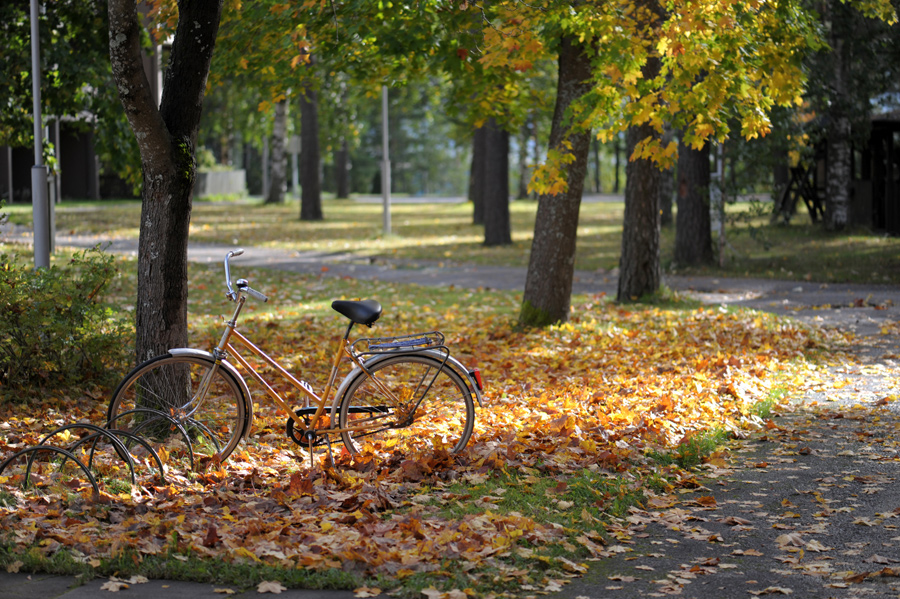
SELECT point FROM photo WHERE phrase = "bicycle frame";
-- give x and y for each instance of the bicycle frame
(344, 348)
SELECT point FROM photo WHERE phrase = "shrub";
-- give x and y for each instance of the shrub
(54, 331)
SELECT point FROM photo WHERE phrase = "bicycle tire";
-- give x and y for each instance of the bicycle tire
(167, 383)
(442, 418)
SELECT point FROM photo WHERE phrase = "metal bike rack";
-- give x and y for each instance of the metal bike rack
(115, 437)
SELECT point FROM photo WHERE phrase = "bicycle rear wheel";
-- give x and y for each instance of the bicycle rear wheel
(422, 405)
(163, 390)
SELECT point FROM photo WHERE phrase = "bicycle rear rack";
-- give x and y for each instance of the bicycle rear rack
(400, 344)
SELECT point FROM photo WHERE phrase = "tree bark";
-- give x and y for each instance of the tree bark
(839, 157)
(666, 186)
(310, 183)
(595, 146)
(278, 156)
(617, 148)
(496, 185)
(639, 264)
(693, 235)
(166, 136)
(524, 137)
(342, 170)
(548, 283)
(639, 273)
(476, 175)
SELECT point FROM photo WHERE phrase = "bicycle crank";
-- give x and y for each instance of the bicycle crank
(303, 438)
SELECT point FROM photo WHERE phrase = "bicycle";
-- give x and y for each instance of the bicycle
(402, 392)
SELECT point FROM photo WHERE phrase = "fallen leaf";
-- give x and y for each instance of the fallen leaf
(772, 591)
(114, 586)
(817, 546)
(270, 586)
(366, 592)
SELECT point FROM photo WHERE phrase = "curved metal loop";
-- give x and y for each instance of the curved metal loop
(206, 432)
(98, 432)
(54, 449)
(163, 415)
(143, 443)
(108, 435)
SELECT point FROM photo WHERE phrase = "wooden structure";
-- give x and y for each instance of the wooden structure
(875, 199)
(877, 187)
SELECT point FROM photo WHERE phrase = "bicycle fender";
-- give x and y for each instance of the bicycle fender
(199, 353)
(461, 370)
(451, 363)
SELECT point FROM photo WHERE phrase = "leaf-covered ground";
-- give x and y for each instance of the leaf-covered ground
(580, 423)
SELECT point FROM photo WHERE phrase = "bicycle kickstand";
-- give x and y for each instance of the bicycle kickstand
(330, 454)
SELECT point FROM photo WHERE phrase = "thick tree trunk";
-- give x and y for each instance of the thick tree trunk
(639, 273)
(496, 185)
(477, 175)
(342, 170)
(693, 236)
(278, 156)
(548, 283)
(639, 264)
(310, 183)
(166, 138)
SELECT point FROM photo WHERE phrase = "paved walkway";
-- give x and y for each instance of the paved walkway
(860, 308)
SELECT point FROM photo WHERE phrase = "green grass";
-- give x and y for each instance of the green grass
(175, 565)
(444, 233)
(692, 452)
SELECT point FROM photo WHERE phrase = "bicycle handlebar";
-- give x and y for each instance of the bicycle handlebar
(242, 284)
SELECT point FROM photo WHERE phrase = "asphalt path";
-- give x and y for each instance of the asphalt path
(810, 508)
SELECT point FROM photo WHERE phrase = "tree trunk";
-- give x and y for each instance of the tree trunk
(548, 283)
(524, 137)
(476, 176)
(666, 186)
(617, 148)
(310, 184)
(639, 264)
(342, 170)
(496, 185)
(595, 145)
(277, 155)
(693, 235)
(166, 138)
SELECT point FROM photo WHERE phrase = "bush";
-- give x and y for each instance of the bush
(54, 331)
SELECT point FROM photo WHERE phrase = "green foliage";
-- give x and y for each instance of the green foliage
(53, 330)
(76, 79)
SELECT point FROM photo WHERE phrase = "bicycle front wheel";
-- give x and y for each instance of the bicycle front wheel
(409, 403)
(166, 390)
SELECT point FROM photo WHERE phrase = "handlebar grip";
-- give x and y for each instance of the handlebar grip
(244, 286)
(236, 252)
(253, 292)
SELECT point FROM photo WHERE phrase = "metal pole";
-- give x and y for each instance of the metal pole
(385, 163)
(39, 206)
(265, 168)
(9, 171)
